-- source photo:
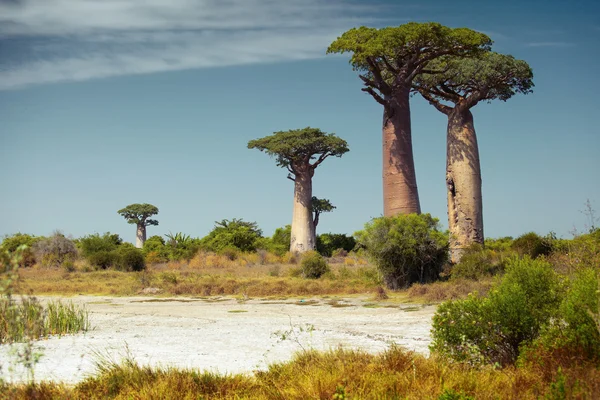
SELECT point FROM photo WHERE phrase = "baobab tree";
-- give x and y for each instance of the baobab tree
(301, 151)
(389, 59)
(138, 214)
(318, 207)
(464, 83)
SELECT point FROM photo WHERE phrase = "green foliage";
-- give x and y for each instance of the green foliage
(313, 265)
(130, 259)
(102, 259)
(156, 250)
(532, 245)
(328, 243)
(488, 76)
(139, 213)
(450, 394)
(477, 262)
(295, 149)
(53, 251)
(179, 246)
(499, 244)
(280, 241)
(397, 51)
(578, 328)
(242, 235)
(492, 329)
(13, 242)
(95, 243)
(406, 248)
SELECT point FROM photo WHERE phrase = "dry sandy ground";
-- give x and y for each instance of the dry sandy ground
(223, 335)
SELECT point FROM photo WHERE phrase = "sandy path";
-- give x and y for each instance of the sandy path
(223, 336)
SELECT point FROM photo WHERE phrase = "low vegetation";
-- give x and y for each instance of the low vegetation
(336, 374)
(519, 318)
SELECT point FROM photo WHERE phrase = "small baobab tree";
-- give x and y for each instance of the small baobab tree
(389, 59)
(301, 151)
(464, 83)
(139, 215)
(318, 207)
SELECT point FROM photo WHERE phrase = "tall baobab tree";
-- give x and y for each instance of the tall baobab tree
(464, 83)
(389, 59)
(138, 214)
(301, 151)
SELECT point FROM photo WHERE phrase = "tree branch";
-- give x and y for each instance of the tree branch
(291, 178)
(377, 97)
(322, 158)
(440, 107)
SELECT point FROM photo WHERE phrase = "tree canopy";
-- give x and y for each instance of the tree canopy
(488, 76)
(297, 147)
(139, 213)
(394, 56)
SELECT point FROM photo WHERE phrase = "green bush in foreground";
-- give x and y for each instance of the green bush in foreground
(493, 329)
(313, 265)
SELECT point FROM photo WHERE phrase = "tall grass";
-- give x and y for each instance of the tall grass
(29, 319)
(336, 374)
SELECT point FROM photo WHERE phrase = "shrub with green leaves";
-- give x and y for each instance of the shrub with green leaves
(313, 265)
(13, 242)
(477, 262)
(492, 329)
(103, 259)
(531, 244)
(95, 243)
(237, 233)
(130, 259)
(327, 243)
(576, 331)
(406, 248)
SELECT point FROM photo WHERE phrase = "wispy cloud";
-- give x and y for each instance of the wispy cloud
(43, 41)
(550, 44)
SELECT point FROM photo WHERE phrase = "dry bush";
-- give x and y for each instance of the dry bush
(335, 374)
(451, 290)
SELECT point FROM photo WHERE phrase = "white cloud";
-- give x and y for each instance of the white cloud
(73, 40)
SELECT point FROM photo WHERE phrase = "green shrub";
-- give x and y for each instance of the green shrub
(95, 243)
(531, 244)
(406, 248)
(103, 259)
(477, 263)
(327, 243)
(245, 236)
(313, 265)
(55, 250)
(493, 329)
(13, 242)
(130, 259)
(577, 329)
(499, 244)
(280, 241)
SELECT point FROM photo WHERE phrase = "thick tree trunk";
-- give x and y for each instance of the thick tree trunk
(463, 182)
(140, 237)
(400, 194)
(303, 231)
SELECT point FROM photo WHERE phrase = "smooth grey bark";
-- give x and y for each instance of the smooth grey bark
(303, 231)
(140, 237)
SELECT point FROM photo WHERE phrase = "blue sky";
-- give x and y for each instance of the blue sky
(107, 103)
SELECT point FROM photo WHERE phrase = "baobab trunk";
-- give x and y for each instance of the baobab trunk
(400, 193)
(303, 231)
(463, 182)
(140, 237)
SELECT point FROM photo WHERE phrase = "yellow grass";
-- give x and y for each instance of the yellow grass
(337, 374)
